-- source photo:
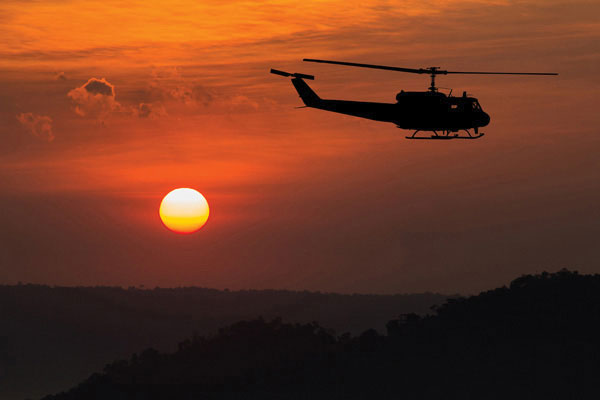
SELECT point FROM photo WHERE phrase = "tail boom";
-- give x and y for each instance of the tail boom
(375, 111)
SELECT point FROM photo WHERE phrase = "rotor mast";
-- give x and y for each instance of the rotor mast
(433, 71)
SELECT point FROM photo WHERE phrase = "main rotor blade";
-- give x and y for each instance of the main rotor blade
(429, 71)
(350, 64)
(501, 73)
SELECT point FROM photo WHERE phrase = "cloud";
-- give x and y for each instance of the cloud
(39, 126)
(99, 86)
(241, 102)
(183, 94)
(169, 85)
(150, 110)
(95, 98)
(166, 93)
(189, 95)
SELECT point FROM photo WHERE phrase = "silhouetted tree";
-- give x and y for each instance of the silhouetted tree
(537, 338)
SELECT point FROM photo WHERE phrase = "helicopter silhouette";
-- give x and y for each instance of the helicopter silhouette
(429, 111)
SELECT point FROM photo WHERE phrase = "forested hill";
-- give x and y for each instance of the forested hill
(53, 337)
(539, 338)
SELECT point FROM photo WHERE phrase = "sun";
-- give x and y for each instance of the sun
(184, 210)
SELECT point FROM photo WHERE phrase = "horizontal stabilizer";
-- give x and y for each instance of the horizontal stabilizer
(295, 75)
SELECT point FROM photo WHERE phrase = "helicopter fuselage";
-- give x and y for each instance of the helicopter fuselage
(419, 111)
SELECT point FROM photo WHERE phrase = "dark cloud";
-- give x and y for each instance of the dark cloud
(95, 98)
(39, 126)
(99, 86)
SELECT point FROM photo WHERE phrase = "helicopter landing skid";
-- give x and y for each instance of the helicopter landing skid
(446, 136)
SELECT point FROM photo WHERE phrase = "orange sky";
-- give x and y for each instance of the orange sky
(300, 199)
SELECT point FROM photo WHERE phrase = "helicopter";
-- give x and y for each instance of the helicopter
(427, 111)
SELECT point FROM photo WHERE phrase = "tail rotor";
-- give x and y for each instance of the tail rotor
(294, 75)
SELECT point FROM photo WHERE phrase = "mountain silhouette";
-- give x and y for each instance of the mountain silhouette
(53, 337)
(537, 338)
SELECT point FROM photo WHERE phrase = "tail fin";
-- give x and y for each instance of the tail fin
(309, 97)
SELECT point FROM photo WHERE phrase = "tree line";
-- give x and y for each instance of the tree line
(539, 337)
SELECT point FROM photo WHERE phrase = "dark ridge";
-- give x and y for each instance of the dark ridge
(537, 338)
(53, 337)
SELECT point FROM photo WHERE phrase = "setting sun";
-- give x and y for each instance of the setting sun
(184, 210)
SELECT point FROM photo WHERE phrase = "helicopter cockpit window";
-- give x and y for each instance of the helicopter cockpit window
(476, 106)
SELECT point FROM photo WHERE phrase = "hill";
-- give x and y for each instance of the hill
(537, 338)
(53, 337)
